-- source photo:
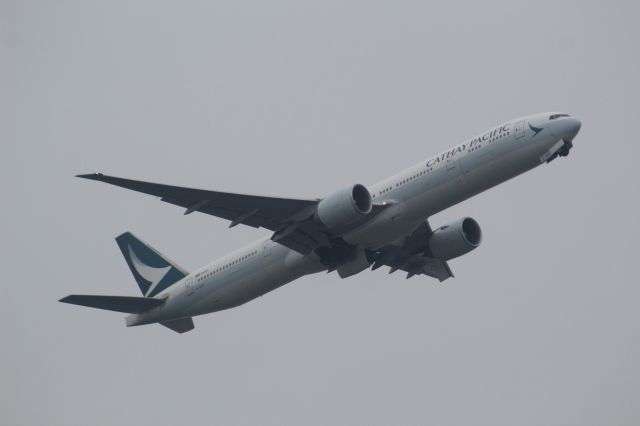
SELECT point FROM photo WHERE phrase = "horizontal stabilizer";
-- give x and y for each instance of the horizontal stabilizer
(126, 304)
(181, 325)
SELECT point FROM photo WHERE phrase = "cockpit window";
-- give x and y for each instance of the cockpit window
(554, 116)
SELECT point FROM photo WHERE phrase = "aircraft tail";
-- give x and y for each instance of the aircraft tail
(152, 271)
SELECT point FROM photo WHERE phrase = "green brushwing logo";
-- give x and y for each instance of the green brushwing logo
(535, 130)
(151, 274)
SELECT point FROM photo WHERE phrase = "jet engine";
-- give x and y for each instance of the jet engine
(455, 239)
(344, 207)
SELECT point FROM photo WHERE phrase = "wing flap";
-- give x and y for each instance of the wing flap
(438, 269)
(411, 258)
(417, 265)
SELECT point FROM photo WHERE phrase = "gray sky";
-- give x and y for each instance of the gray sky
(539, 327)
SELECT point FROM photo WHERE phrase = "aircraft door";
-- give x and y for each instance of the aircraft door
(453, 173)
(518, 129)
(266, 248)
(454, 169)
(189, 285)
(266, 252)
(451, 165)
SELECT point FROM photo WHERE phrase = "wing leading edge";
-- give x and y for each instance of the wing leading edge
(284, 216)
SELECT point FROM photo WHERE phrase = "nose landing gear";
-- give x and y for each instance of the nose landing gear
(564, 151)
(555, 152)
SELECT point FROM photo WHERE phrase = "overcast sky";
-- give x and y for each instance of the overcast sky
(539, 327)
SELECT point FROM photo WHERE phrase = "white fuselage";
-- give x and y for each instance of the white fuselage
(416, 193)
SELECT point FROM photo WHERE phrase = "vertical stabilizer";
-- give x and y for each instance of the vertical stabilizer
(152, 271)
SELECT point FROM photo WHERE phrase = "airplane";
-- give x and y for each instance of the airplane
(348, 231)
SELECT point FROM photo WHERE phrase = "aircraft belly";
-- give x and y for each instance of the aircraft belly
(401, 219)
(265, 275)
(386, 227)
(255, 285)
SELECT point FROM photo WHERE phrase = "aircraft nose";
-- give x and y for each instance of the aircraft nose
(571, 127)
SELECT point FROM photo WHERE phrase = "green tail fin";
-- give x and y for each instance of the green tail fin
(152, 271)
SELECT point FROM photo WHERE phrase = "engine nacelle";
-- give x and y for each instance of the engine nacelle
(455, 239)
(344, 207)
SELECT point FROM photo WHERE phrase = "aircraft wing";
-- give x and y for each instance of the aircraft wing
(413, 256)
(284, 216)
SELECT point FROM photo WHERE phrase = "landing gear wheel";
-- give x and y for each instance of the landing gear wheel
(564, 151)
